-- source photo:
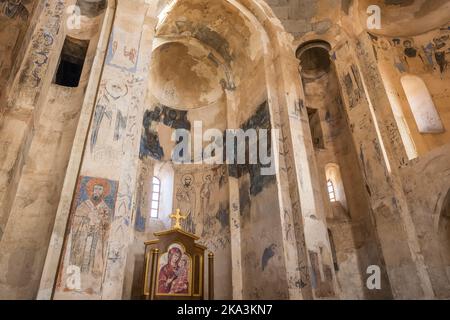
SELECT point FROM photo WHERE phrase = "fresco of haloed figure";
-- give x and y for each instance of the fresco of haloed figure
(174, 272)
(86, 249)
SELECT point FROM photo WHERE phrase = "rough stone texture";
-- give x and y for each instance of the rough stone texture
(329, 90)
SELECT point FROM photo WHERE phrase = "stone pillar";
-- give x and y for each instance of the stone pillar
(24, 239)
(24, 96)
(235, 212)
(381, 154)
(59, 229)
(110, 158)
(307, 246)
(122, 226)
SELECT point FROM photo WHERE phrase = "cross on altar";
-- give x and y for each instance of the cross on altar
(177, 216)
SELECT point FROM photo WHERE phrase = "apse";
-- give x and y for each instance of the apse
(206, 69)
(185, 76)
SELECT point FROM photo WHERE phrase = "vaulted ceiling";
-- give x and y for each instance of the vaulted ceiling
(201, 48)
(408, 17)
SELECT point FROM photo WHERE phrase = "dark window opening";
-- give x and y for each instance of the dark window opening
(315, 60)
(333, 251)
(316, 128)
(71, 62)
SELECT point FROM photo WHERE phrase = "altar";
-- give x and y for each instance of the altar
(175, 265)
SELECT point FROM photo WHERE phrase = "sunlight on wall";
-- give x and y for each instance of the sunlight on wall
(422, 106)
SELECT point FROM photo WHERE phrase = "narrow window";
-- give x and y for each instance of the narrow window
(331, 191)
(421, 104)
(156, 191)
(333, 250)
(316, 128)
(71, 62)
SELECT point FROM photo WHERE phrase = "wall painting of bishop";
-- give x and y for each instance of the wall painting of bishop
(86, 246)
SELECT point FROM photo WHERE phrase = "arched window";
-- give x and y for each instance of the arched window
(421, 104)
(335, 185)
(156, 191)
(331, 191)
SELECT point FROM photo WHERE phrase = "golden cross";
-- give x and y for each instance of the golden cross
(177, 216)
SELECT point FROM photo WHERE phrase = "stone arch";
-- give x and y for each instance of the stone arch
(287, 112)
(333, 173)
(317, 43)
(314, 59)
(284, 93)
(421, 104)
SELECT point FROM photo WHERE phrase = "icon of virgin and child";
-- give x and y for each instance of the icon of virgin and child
(173, 277)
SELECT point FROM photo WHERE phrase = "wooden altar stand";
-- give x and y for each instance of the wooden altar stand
(175, 266)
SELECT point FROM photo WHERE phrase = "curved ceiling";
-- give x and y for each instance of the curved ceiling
(217, 24)
(404, 18)
(185, 77)
(92, 8)
(92, 14)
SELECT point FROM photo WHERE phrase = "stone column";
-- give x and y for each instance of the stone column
(381, 153)
(24, 96)
(59, 228)
(307, 246)
(110, 154)
(24, 240)
(121, 234)
(235, 212)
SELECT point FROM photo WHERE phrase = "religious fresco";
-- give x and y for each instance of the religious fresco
(196, 194)
(123, 50)
(87, 245)
(201, 192)
(259, 120)
(15, 8)
(174, 272)
(172, 118)
(353, 86)
(186, 199)
(96, 218)
(425, 53)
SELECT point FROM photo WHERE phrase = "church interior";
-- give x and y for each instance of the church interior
(354, 93)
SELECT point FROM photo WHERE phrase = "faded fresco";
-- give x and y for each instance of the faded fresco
(75, 199)
(87, 245)
(201, 193)
(123, 53)
(429, 52)
(15, 8)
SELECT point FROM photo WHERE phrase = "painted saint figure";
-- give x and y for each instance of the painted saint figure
(173, 277)
(180, 284)
(205, 196)
(186, 197)
(90, 228)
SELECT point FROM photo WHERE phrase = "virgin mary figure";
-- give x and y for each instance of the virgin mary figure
(170, 273)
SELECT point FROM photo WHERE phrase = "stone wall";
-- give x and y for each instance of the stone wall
(77, 163)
